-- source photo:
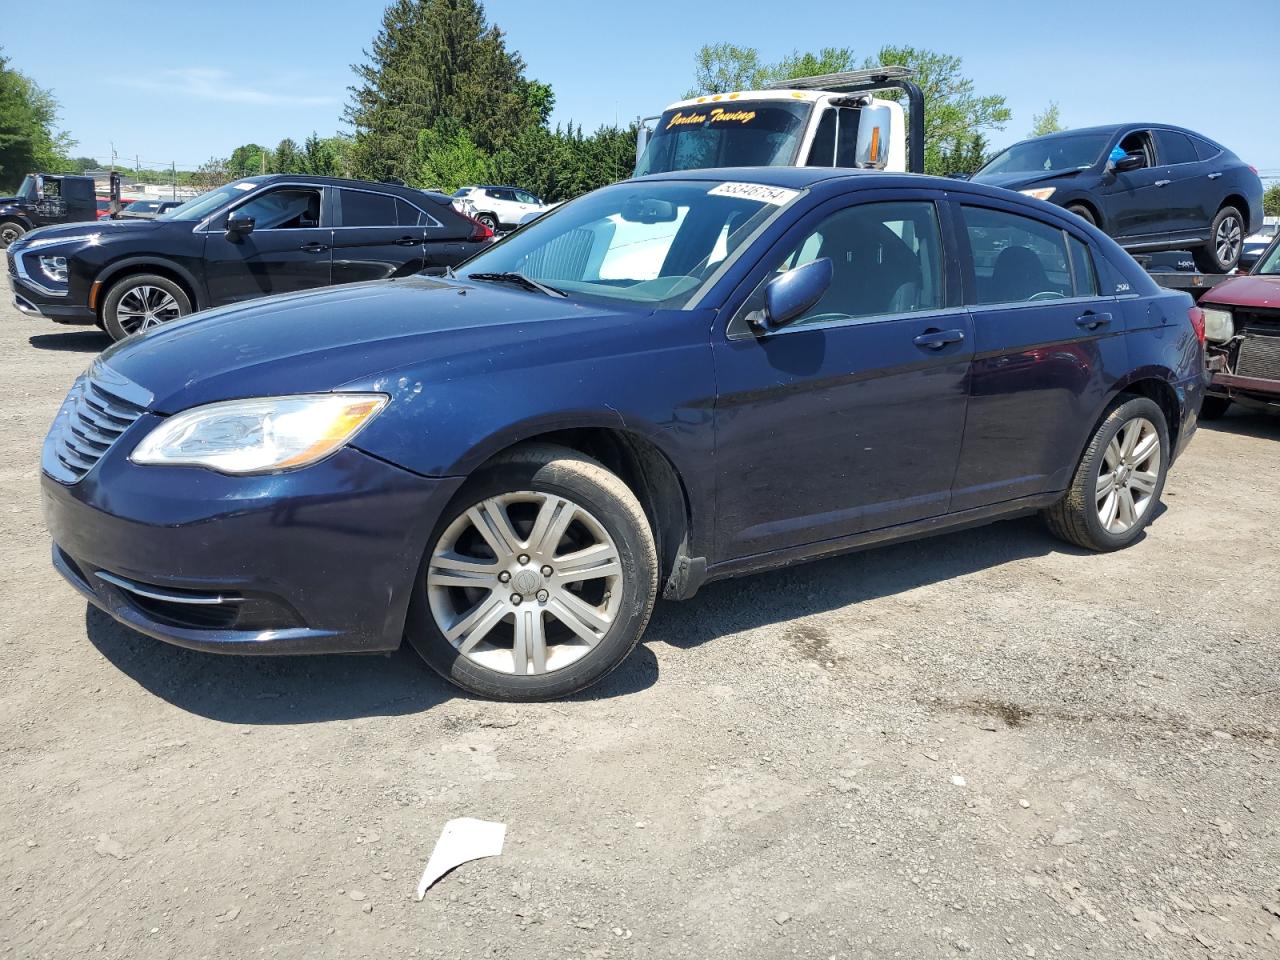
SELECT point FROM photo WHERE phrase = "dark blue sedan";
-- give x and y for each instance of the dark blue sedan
(667, 381)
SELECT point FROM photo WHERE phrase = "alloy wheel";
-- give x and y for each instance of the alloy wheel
(1227, 240)
(525, 583)
(144, 307)
(1128, 476)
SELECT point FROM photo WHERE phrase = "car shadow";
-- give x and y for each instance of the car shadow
(1246, 421)
(303, 689)
(82, 341)
(731, 606)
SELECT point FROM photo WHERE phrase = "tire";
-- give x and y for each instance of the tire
(1076, 517)
(1226, 240)
(1214, 408)
(489, 220)
(492, 652)
(152, 300)
(10, 231)
(1083, 212)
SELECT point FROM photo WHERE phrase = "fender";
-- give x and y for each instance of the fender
(113, 269)
(10, 212)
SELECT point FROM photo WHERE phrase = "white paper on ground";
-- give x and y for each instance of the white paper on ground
(461, 840)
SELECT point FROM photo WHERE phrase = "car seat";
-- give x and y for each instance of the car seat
(1017, 275)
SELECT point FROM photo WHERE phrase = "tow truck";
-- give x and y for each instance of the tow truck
(832, 120)
(48, 198)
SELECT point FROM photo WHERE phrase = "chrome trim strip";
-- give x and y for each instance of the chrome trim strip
(154, 594)
(26, 306)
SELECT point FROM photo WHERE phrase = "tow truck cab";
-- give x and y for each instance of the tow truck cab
(826, 121)
(46, 198)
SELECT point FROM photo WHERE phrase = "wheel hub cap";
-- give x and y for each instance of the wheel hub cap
(527, 583)
(1128, 475)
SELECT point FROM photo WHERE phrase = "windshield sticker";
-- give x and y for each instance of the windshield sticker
(717, 115)
(755, 191)
(245, 186)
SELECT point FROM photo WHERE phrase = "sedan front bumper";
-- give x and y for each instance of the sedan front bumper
(320, 560)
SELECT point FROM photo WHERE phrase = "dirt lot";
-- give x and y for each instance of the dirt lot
(985, 745)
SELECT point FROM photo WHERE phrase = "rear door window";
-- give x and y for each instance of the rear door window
(360, 209)
(1083, 275)
(1175, 147)
(1015, 258)
(407, 215)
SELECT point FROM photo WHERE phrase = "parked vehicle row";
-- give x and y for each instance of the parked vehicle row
(508, 465)
(251, 238)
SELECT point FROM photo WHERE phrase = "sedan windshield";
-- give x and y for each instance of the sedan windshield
(1270, 265)
(651, 243)
(200, 207)
(1049, 153)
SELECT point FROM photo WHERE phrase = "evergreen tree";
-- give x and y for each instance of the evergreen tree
(286, 158)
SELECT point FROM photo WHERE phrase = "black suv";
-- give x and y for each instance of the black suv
(251, 238)
(44, 199)
(1150, 186)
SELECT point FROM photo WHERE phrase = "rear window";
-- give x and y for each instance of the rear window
(360, 209)
(1017, 258)
(407, 215)
(1175, 147)
(1204, 149)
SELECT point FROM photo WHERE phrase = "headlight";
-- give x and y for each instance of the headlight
(55, 268)
(1041, 193)
(264, 435)
(1218, 325)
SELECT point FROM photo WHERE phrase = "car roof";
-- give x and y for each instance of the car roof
(1113, 128)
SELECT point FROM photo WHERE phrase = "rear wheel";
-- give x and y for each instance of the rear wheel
(1226, 239)
(1214, 408)
(1118, 481)
(10, 231)
(489, 220)
(140, 302)
(538, 580)
(1083, 212)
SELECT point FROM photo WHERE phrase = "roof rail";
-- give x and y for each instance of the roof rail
(850, 81)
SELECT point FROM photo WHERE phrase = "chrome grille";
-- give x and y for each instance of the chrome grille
(96, 412)
(1259, 357)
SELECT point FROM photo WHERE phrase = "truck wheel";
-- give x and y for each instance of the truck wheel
(1214, 408)
(10, 230)
(538, 580)
(1226, 238)
(1118, 481)
(1083, 212)
(140, 302)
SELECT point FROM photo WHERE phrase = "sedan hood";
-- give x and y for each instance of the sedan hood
(1256, 291)
(321, 340)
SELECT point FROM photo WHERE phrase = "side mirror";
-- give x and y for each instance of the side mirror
(1130, 161)
(238, 226)
(788, 296)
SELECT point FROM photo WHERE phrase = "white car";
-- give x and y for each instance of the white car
(500, 208)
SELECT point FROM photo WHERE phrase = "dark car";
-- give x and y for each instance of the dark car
(1150, 186)
(671, 380)
(148, 209)
(254, 237)
(43, 199)
(1242, 320)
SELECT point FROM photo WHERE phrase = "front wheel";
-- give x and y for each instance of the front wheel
(1226, 240)
(1118, 481)
(538, 580)
(140, 302)
(10, 231)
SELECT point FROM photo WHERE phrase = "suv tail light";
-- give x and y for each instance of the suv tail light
(479, 231)
(1196, 316)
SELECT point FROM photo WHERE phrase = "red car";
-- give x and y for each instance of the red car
(104, 207)
(1242, 332)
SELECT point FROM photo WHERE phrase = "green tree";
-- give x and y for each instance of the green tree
(1271, 201)
(286, 158)
(953, 111)
(448, 158)
(1046, 122)
(966, 157)
(726, 67)
(438, 60)
(29, 141)
(247, 160)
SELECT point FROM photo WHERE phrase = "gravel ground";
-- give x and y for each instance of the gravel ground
(985, 744)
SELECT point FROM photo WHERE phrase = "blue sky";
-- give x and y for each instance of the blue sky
(188, 81)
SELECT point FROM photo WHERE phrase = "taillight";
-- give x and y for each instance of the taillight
(479, 231)
(1196, 316)
(1254, 169)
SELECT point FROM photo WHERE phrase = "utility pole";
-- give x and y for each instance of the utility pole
(173, 173)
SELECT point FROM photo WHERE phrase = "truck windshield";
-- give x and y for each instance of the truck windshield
(27, 191)
(655, 244)
(739, 133)
(1049, 153)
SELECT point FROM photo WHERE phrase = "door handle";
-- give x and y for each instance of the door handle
(937, 339)
(1092, 321)
(1163, 183)
(407, 241)
(1214, 176)
(314, 247)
